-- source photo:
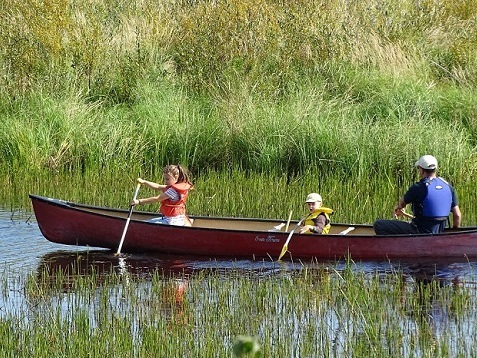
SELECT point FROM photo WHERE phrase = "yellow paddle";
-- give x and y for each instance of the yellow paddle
(288, 222)
(285, 247)
(128, 220)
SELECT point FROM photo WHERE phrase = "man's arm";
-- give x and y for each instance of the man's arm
(456, 217)
(399, 208)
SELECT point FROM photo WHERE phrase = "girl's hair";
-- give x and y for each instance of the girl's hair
(178, 171)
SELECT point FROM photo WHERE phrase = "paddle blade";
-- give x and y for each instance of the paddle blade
(285, 247)
(284, 250)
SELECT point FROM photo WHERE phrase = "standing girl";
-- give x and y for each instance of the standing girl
(173, 196)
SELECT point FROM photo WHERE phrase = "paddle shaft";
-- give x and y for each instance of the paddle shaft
(409, 216)
(131, 207)
(285, 246)
(292, 232)
(344, 232)
(289, 219)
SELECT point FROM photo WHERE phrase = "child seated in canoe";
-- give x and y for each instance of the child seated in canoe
(318, 221)
(173, 196)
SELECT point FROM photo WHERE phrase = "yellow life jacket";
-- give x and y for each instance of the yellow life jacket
(326, 211)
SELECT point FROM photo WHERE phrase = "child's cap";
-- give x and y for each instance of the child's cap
(313, 198)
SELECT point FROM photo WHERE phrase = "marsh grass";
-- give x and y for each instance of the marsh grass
(233, 193)
(105, 49)
(318, 310)
(248, 157)
(262, 102)
(343, 136)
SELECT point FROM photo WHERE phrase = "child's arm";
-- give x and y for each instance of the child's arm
(320, 223)
(160, 198)
(151, 184)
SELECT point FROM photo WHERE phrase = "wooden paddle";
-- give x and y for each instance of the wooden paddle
(409, 216)
(131, 207)
(285, 247)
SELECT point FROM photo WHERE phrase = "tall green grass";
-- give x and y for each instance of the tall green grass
(249, 157)
(347, 95)
(313, 311)
(103, 49)
(306, 131)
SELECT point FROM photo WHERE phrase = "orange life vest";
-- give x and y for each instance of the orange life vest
(170, 208)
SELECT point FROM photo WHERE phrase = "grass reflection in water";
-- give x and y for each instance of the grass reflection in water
(92, 305)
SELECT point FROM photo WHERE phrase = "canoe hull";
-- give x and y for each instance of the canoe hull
(75, 224)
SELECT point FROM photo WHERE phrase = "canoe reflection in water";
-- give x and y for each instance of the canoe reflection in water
(154, 279)
(126, 279)
(105, 263)
(425, 300)
(437, 299)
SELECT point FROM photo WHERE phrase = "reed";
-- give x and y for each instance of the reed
(307, 130)
(106, 48)
(313, 96)
(314, 310)
(235, 193)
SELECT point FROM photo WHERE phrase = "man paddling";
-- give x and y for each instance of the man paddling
(432, 199)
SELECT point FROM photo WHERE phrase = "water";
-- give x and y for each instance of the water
(22, 245)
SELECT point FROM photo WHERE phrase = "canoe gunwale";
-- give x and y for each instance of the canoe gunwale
(70, 223)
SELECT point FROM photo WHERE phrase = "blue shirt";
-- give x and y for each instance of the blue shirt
(416, 195)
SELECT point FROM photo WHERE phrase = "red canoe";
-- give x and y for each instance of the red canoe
(69, 223)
